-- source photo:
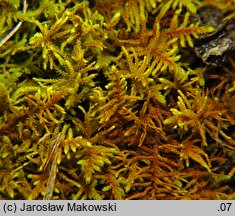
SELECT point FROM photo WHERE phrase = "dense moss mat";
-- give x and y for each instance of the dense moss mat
(114, 99)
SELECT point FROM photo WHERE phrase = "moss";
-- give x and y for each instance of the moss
(110, 101)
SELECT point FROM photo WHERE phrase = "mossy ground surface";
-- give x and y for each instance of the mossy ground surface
(107, 99)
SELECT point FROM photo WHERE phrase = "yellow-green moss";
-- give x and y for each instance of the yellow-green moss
(100, 101)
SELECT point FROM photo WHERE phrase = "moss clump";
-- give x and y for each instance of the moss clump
(108, 100)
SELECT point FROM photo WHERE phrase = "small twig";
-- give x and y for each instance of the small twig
(16, 28)
(51, 164)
